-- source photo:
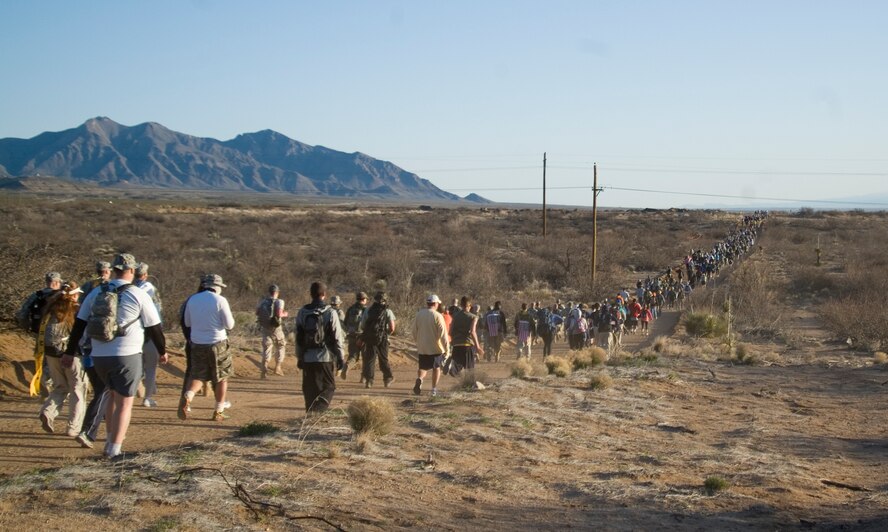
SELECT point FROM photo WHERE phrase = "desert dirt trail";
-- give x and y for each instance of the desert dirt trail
(25, 446)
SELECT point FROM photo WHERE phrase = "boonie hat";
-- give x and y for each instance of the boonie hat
(124, 261)
(142, 268)
(335, 300)
(211, 279)
(361, 295)
(433, 299)
(102, 266)
(53, 276)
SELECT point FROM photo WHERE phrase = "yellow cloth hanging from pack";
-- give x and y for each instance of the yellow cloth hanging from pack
(38, 356)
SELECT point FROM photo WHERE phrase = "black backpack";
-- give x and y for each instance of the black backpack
(35, 311)
(313, 328)
(376, 326)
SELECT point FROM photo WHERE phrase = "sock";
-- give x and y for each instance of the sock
(219, 407)
(189, 395)
(114, 449)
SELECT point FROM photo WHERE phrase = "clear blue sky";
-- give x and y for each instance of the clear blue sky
(760, 98)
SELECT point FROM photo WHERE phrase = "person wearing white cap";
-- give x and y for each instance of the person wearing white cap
(430, 334)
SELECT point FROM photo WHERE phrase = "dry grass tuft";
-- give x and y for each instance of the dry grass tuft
(522, 369)
(469, 377)
(702, 325)
(558, 366)
(594, 356)
(601, 381)
(880, 357)
(371, 416)
(660, 344)
(713, 484)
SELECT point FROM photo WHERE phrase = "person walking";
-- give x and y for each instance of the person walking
(209, 316)
(465, 341)
(270, 315)
(67, 382)
(103, 275)
(149, 351)
(377, 324)
(525, 324)
(31, 317)
(319, 349)
(548, 327)
(496, 330)
(352, 326)
(117, 317)
(430, 335)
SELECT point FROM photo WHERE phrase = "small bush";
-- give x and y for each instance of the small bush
(469, 377)
(601, 381)
(660, 344)
(743, 356)
(256, 428)
(371, 416)
(704, 325)
(582, 360)
(522, 369)
(713, 484)
(880, 358)
(558, 366)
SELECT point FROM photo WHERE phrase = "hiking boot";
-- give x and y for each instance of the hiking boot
(220, 416)
(184, 407)
(263, 374)
(344, 372)
(388, 381)
(84, 440)
(417, 388)
(47, 423)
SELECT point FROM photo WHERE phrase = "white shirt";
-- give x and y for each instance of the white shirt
(135, 307)
(209, 316)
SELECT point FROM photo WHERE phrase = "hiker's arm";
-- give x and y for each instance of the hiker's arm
(475, 337)
(335, 341)
(74, 338)
(155, 334)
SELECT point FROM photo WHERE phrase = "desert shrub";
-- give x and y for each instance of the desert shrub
(660, 344)
(743, 356)
(594, 356)
(811, 280)
(522, 369)
(880, 357)
(256, 428)
(713, 484)
(601, 381)
(468, 378)
(703, 325)
(558, 366)
(372, 416)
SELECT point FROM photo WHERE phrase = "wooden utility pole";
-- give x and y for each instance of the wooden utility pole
(594, 220)
(544, 195)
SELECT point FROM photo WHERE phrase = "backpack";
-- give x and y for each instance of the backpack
(376, 326)
(353, 318)
(543, 328)
(265, 314)
(31, 313)
(102, 324)
(313, 328)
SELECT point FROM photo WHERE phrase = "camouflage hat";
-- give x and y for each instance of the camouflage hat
(335, 300)
(142, 268)
(380, 297)
(361, 295)
(211, 279)
(102, 266)
(52, 276)
(124, 261)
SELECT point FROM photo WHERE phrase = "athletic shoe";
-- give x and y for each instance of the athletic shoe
(184, 407)
(417, 388)
(149, 403)
(84, 440)
(434, 392)
(278, 371)
(47, 423)
(220, 416)
(73, 433)
(388, 382)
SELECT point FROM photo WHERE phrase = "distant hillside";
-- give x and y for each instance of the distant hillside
(110, 154)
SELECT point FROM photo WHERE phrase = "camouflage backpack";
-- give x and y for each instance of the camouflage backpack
(102, 324)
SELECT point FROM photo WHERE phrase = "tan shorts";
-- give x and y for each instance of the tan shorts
(211, 362)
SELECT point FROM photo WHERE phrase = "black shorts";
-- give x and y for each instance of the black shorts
(427, 362)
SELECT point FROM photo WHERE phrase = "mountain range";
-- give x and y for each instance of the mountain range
(106, 153)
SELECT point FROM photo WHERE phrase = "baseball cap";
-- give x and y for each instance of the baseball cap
(433, 299)
(335, 300)
(361, 295)
(273, 288)
(380, 296)
(53, 276)
(211, 279)
(124, 261)
(142, 268)
(102, 266)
